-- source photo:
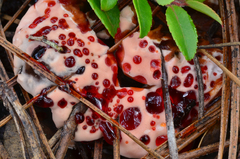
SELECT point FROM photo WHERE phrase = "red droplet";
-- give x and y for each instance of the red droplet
(53, 19)
(122, 93)
(65, 15)
(87, 61)
(214, 74)
(62, 103)
(70, 42)
(156, 74)
(79, 118)
(188, 80)
(70, 61)
(155, 63)
(140, 79)
(80, 42)
(131, 118)
(160, 139)
(84, 127)
(118, 109)
(185, 69)
(62, 37)
(43, 31)
(63, 42)
(93, 130)
(130, 92)
(126, 67)
(196, 87)
(85, 51)
(191, 62)
(204, 69)
(152, 123)
(143, 43)
(152, 48)
(107, 131)
(175, 69)
(94, 65)
(63, 24)
(37, 21)
(137, 59)
(77, 52)
(73, 103)
(145, 139)
(51, 3)
(204, 87)
(54, 27)
(154, 103)
(130, 99)
(206, 96)
(106, 83)
(94, 76)
(47, 11)
(72, 35)
(89, 121)
(91, 38)
(175, 82)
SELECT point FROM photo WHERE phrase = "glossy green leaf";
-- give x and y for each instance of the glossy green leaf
(200, 0)
(108, 4)
(183, 30)
(144, 15)
(164, 2)
(203, 8)
(110, 19)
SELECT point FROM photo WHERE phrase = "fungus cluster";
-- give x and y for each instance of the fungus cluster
(95, 76)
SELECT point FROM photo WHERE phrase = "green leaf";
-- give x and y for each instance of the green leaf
(200, 0)
(183, 30)
(144, 15)
(203, 8)
(164, 2)
(108, 4)
(110, 18)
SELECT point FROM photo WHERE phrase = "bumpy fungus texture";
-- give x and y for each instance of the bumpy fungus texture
(141, 111)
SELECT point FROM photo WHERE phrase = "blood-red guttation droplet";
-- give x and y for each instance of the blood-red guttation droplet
(131, 118)
(43, 31)
(145, 139)
(140, 79)
(85, 51)
(80, 70)
(152, 123)
(214, 74)
(155, 63)
(70, 42)
(87, 61)
(77, 52)
(79, 118)
(196, 87)
(94, 65)
(191, 62)
(161, 139)
(175, 82)
(80, 42)
(204, 69)
(47, 11)
(72, 35)
(122, 93)
(65, 15)
(89, 121)
(38, 52)
(62, 37)
(175, 69)
(51, 3)
(126, 67)
(109, 93)
(62, 103)
(91, 38)
(143, 43)
(137, 59)
(185, 69)
(212, 84)
(43, 100)
(84, 127)
(130, 92)
(37, 21)
(106, 83)
(152, 49)
(54, 27)
(118, 109)
(188, 80)
(154, 103)
(70, 61)
(107, 131)
(53, 19)
(94, 76)
(63, 24)
(156, 74)
(130, 99)
(206, 96)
